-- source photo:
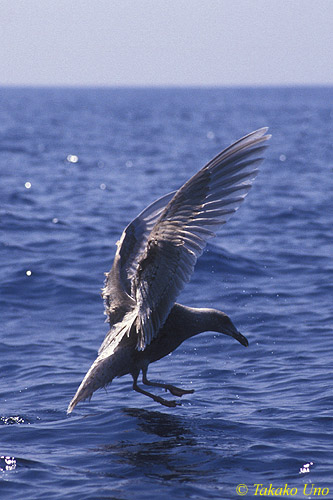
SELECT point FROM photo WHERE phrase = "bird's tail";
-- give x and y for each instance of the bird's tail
(106, 365)
(98, 375)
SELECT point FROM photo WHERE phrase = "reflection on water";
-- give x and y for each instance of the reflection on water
(7, 463)
(159, 423)
(12, 420)
(305, 469)
(174, 454)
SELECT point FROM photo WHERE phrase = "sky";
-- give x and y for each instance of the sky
(166, 42)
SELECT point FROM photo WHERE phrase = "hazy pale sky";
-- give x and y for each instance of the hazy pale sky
(166, 42)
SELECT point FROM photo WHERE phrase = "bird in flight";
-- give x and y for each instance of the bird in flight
(155, 258)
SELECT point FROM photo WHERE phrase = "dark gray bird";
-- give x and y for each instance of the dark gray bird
(154, 260)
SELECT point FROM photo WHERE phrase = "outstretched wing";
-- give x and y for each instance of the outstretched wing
(180, 234)
(130, 246)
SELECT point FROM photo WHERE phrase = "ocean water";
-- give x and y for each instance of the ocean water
(75, 167)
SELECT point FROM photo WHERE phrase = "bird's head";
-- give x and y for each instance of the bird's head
(223, 324)
(228, 328)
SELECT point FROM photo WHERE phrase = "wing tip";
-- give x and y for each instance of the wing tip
(257, 135)
(261, 132)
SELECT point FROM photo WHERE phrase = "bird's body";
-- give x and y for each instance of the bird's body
(155, 258)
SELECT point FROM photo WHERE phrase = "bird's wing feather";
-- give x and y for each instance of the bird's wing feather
(129, 248)
(180, 234)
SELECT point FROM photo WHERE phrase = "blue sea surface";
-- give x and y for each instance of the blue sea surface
(76, 165)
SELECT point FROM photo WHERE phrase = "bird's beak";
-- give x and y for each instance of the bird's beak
(238, 336)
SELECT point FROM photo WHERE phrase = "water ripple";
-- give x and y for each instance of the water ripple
(258, 415)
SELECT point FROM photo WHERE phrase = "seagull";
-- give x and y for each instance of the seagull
(155, 258)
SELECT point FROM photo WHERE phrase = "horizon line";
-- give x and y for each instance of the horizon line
(163, 86)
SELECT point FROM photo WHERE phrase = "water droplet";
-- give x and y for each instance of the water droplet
(102, 186)
(283, 158)
(55, 220)
(27, 185)
(28, 273)
(129, 164)
(210, 135)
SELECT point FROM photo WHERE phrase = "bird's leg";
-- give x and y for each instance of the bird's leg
(158, 399)
(176, 391)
